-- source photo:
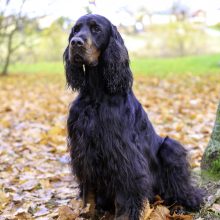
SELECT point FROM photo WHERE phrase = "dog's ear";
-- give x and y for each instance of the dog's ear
(74, 74)
(116, 71)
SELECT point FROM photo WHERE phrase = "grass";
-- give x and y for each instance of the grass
(196, 65)
(40, 67)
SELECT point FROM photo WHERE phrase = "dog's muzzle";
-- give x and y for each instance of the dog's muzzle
(76, 50)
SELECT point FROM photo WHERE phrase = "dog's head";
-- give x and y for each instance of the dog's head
(94, 41)
(88, 38)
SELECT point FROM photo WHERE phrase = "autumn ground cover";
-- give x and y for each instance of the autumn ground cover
(35, 179)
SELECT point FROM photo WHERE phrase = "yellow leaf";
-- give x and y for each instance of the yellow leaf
(45, 183)
(4, 200)
(146, 211)
(160, 213)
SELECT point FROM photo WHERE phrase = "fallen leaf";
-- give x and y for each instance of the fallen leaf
(4, 200)
(159, 213)
(29, 185)
(23, 216)
(41, 211)
(65, 213)
(215, 208)
(147, 210)
(76, 204)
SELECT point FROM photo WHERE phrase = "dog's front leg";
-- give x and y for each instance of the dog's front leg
(127, 207)
(88, 197)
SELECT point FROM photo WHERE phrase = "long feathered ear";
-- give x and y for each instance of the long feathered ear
(74, 74)
(116, 71)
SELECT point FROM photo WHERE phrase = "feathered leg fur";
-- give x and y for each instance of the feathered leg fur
(174, 178)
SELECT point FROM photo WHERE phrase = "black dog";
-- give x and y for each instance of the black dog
(115, 153)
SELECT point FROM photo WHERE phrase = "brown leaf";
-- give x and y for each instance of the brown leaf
(65, 213)
(76, 204)
(23, 216)
(160, 213)
(158, 200)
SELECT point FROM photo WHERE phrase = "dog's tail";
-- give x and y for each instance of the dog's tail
(174, 178)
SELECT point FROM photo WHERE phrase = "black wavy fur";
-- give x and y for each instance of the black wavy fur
(115, 153)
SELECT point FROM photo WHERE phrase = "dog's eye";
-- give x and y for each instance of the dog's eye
(76, 29)
(95, 29)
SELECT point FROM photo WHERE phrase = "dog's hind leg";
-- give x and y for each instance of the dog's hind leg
(174, 177)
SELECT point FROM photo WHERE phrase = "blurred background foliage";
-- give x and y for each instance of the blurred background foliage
(28, 40)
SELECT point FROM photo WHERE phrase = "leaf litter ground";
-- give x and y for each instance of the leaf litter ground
(35, 178)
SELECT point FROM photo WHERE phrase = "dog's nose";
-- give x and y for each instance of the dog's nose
(77, 42)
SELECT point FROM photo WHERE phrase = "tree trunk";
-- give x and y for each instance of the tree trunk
(211, 158)
(8, 56)
(6, 65)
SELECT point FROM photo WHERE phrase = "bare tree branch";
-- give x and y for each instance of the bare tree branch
(10, 26)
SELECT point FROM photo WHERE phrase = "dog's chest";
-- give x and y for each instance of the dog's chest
(90, 135)
(95, 129)
(95, 121)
